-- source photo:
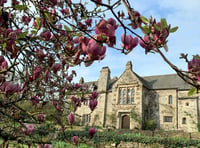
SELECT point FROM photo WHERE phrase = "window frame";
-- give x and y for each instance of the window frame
(184, 120)
(86, 118)
(126, 95)
(170, 99)
(168, 119)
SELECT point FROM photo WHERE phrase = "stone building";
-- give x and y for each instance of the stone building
(129, 101)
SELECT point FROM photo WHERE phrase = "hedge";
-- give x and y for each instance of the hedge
(112, 137)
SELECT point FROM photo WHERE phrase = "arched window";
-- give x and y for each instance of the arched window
(183, 120)
(170, 99)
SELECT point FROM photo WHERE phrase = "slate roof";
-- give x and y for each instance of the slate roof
(170, 81)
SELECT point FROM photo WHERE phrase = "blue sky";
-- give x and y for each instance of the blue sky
(182, 13)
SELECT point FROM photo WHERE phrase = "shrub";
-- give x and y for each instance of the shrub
(150, 125)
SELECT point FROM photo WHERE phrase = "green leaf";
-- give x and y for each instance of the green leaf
(47, 15)
(4, 45)
(146, 29)
(163, 23)
(192, 91)
(144, 19)
(34, 31)
(157, 27)
(67, 29)
(21, 7)
(174, 29)
(22, 35)
(37, 23)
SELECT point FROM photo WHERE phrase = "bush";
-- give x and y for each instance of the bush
(112, 137)
(150, 125)
(198, 126)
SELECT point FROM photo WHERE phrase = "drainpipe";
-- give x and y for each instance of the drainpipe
(105, 110)
(177, 109)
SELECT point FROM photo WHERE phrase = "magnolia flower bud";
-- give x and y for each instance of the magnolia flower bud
(75, 139)
(92, 132)
(93, 104)
(71, 118)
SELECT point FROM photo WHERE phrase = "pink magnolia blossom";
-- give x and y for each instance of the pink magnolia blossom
(137, 21)
(55, 103)
(194, 66)
(59, 108)
(92, 132)
(46, 76)
(88, 22)
(84, 42)
(75, 139)
(65, 11)
(40, 54)
(100, 1)
(46, 35)
(76, 59)
(2, 2)
(95, 50)
(45, 146)
(1, 59)
(128, 42)
(106, 27)
(159, 36)
(56, 67)
(92, 104)
(71, 118)
(3, 63)
(145, 43)
(69, 78)
(10, 88)
(26, 19)
(54, 2)
(36, 73)
(94, 95)
(41, 117)
(35, 100)
(29, 128)
(76, 102)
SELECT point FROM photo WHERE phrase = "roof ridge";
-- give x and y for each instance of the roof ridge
(159, 75)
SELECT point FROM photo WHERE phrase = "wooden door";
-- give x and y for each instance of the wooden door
(125, 122)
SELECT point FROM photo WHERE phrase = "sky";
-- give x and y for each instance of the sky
(181, 13)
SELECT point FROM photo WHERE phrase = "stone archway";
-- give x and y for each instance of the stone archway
(125, 122)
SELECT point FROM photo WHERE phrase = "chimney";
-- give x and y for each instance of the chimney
(103, 81)
(129, 65)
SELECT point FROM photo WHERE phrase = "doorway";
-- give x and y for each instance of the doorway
(125, 122)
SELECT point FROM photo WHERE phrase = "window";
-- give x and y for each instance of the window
(168, 118)
(183, 120)
(126, 95)
(86, 118)
(170, 99)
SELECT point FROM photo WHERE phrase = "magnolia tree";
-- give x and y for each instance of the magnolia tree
(41, 39)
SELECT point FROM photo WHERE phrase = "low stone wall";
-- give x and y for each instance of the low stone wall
(136, 145)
